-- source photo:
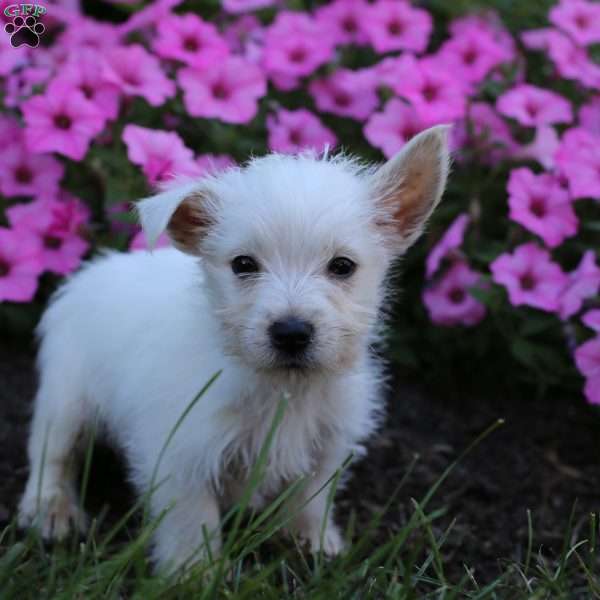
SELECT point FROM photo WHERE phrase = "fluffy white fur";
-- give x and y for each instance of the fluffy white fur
(131, 339)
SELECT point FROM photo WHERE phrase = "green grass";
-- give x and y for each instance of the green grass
(257, 561)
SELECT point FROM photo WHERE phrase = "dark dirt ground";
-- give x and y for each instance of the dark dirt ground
(544, 459)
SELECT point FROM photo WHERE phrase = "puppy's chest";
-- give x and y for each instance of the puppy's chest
(287, 451)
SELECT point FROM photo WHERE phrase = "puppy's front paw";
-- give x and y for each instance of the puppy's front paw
(54, 514)
(333, 544)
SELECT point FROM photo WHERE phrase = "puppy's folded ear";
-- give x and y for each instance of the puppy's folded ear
(182, 210)
(409, 186)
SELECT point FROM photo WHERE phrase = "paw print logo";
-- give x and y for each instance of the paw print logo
(25, 31)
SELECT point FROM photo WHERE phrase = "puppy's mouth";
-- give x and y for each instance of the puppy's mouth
(293, 362)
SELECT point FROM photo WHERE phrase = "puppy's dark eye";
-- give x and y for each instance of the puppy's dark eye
(341, 267)
(244, 265)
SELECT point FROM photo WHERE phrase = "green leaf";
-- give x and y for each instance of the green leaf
(550, 358)
(524, 352)
(534, 325)
(591, 225)
(488, 254)
(404, 356)
(490, 297)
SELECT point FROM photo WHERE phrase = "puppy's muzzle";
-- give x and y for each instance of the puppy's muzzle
(291, 336)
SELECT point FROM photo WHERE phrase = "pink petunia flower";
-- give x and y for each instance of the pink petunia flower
(10, 130)
(396, 25)
(591, 319)
(150, 15)
(161, 154)
(587, 359)
(137, 73)
(228, 91)
(484, 133)
(582, 283)
(473, 53)
(541, 205)
(213, 163)
(190, 39)
(571, 61)
(86, 74)
(540, 39)
(533, 106)
(201, 166)
(239, 6)
(542, 149)
(21, 84)
(57, 222)
(86, 33)
(490, 23)
(345, 20)
(450, 241)
(245, 36)
(11, 58)
(61, 120)
(579, 18)
(391, 128)
(578, 160)
(52, 58)
(449, 301)
(139, 242)
(20, 265)
(530, 277)
(292, 131)
(26, 174)
(436, 94)
(390, 71)
(589, 116)
(62, 10)
(346, 93)
(295, 45)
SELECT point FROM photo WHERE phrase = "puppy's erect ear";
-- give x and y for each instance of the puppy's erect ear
(409, 186)
(182, 211)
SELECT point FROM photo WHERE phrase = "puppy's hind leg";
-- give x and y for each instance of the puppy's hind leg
(49, 503)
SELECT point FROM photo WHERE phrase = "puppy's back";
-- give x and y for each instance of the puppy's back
(118, 307)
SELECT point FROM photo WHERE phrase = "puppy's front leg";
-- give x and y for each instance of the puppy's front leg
(310, 505)
(191, 518)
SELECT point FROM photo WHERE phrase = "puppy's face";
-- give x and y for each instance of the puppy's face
(295, 263)
(296, 249)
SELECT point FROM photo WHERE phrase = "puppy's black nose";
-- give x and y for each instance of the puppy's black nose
(291, 335)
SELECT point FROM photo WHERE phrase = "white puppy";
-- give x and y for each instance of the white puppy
(277, 282)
